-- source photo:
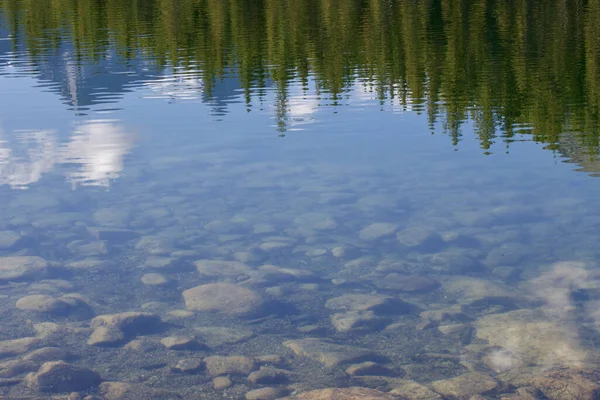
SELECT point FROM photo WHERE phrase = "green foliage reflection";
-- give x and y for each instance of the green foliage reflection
(511, 67)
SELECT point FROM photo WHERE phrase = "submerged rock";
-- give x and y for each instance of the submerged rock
(380, 304)
(13, 368)
(47, 354)
(106, 336)
(353, 393)
(377, 231)
(558, 383)
(369, 368)
(59, 376)
(225, 298)
(130, 322)
(182, 343)
(328, 353)
(358, 321)
(421, 238)
(113, 329)
(532, 337)
(9, 239)
(269, 376)
(189, 365)
(222, 382)
(22, 267)
(14, 347)
(154, 279)
(465, 386)
(233, 365)
(125, 391)
(43, 304)
(267, 393)
(415, 391)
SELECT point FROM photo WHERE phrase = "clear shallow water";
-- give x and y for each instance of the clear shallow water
(375, 177)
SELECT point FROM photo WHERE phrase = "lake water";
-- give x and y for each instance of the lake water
(236, 199)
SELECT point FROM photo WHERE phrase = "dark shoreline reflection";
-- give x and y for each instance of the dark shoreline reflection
(512, 68)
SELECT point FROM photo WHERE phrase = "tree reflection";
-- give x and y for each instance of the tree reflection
(512, 68)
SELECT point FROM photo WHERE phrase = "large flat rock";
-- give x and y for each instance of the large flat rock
(22, 267)
(224, 298)
(328, 353)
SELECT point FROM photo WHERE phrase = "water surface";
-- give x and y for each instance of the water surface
(274, 180)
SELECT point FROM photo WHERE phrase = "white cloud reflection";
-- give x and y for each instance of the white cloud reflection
(94, 153)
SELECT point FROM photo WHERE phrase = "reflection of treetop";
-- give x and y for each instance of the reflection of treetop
(509, 66)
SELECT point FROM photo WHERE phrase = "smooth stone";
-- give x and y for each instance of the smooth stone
(273, 246)
(377, 231)
(233, 365)
(407, 283)
(266, 393)
(180, 314)
(154, 279)
(88, 264)
(161, 263)
(22, 267)
(130, 323)
(47, 354)
(271, 359)
(14, 347)
(557, 383)
(380, 304)
(225, 298)
(352, 393)
(106, 336)
(533, 337)
(451, 260)
(51, 330)
(465, 386)
(59, 376)
(144, 345)
(215, 336)
(43, 304)
(358, 321)
(453, 313)
(9, 239)
(268, 376)
(96, 248)
(189, 365)
(222, 382)
(279, 274)
(13, 368)
(369, 368)
(328, 353)
(51, 285)
(360, 262)
(467, 289)
(127, 391)
(415, 391)
(218, 268)
(155, 245)
(182, 343)
(422, 238)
